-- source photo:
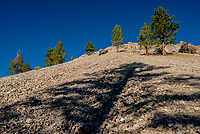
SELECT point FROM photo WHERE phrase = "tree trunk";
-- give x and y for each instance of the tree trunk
(146, 50)
(163, 45)
(163, 48)
(117, 48)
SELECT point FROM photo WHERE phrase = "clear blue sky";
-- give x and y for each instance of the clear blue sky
(33, 26)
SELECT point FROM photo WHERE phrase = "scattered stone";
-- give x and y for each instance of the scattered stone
(161, 128)
(189, 126)
(28, 120)
(197, 108)
(178, 125)
(170, 124)
(102, 51)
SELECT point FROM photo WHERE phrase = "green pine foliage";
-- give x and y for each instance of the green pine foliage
(58, 54)
(49, 60)
(116, 36)
(55, 55)
(89, 48)
(17, 65)
(163, 28)
(12, 68)
(145, 37)
(26, 67)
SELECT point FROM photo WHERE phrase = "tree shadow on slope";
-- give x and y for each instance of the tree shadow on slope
(176, 122)
(83, 102)
(149, 99)
(181, 119)
(10, 115)
(88, 102)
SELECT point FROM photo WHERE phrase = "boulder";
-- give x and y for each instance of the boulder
(198, 49)
(182, 43)
(170, 48)
(188, 48)
(125, 46)
(134, 46)
(102, 51)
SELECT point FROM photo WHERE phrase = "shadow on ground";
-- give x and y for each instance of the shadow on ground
(86, 103)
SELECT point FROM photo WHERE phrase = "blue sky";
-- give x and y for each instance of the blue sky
(33, 26)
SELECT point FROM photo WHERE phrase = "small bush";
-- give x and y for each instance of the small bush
(72, 58)
(38, 67)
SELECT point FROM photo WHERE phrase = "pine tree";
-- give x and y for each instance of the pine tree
(17, 66)
(49, 60)
(89, 48)
(58, 54)
(163, 27)
(145, 37)
(26, 67)
(55, 55)
(117, 38)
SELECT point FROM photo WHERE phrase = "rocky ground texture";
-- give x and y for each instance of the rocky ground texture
(124, 92)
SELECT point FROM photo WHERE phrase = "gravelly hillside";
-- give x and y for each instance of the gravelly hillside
(121, 92)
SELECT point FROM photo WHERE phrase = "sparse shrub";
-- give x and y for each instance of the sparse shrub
(38, 67)
(72, 58)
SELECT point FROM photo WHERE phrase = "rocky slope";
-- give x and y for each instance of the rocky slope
(122, 92)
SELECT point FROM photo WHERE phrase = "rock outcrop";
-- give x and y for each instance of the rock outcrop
(133, 46)
(188, 48)
(170, 48)
(182, 47)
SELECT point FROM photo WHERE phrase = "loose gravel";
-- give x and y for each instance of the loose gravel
(122, 92)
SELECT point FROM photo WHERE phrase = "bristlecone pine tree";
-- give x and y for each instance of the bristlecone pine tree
(55, 55)
(17, 66)
(145, 37)
(117, 38)
(163, 28)
(89, 48)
